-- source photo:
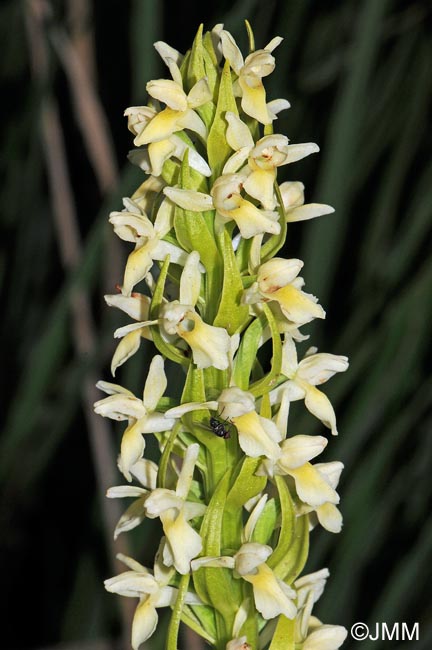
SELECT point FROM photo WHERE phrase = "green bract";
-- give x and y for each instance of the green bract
(235, 493)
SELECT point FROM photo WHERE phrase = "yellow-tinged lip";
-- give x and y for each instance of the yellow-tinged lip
(295, 304)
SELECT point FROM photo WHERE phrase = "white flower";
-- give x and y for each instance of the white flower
(153, 592)
(210, 345)
(258, 436)
(250, 72)
(277, 281)
(133, 225)
(327, 514)
(310, 633)
(141, 415)
(272, 596)
(293, 200)
(230, 205)
(225, 197)
(311, 585)
(312, 485)
(304, 377)
(146, 472)
(183, 543)
(263, 158)
(325, 637)
(151, 127)
(137, 307)
(152, 158)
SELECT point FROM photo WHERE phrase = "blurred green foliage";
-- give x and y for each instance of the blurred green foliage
(357, 74)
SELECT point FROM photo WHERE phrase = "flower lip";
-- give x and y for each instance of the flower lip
(226, 191)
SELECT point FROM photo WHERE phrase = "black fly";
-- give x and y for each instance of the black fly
(220, 428)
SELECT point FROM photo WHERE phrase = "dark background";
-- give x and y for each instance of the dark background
(358, 76)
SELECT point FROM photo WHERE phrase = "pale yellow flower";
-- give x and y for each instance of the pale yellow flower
(304, 377)
(179, 113)
(292, 193)
(310, 633)
(327, 514)
(312, 486)
(153, 592)
(133, 225)
(141, 415)
(272, 596)
(250, 73)
(263, 159)
(183, 543)
(137, 307)
(257, 435)
(210, 345)
(277, 281)
(226, 198)
(158, 129)
(324, 637)
(145, 471)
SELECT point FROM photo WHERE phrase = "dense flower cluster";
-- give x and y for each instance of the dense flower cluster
(236, 494)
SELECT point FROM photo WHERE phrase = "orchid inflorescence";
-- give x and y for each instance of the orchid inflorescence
(237, 507)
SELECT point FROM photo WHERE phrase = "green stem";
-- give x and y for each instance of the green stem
(174, 624)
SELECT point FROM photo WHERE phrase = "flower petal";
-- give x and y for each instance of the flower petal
(260, 185)
(159, 152)
(126, 349)
(113, 389)
(144, 622)
(238, 134)
(331, 471)
(155, 384)
(182, 409)
(210, 345)
(189, 199)
(131, 448)
(190, 281)
(132, 517)
(145, 471)
(231, 51)
(270, 598)
(277, 273)
(185, 543)
(299, 151)
(296, 305)
(250, 556)
(319, 368)
(254, 101)
(136, 306)
(254, 438)
(160, 127)
(138, 265)
(165, 51)
(251, 221)
(326, 637)
(199, 94)
(169, 92)
(132, 584)
(311, 486)
(329, 517)
(308, 211)
(276, 106)
(320, 406)
(120, 407)
(298, 450)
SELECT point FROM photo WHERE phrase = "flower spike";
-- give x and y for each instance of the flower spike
(236, 490)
